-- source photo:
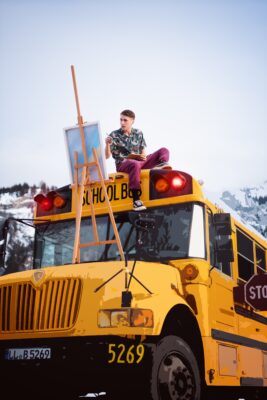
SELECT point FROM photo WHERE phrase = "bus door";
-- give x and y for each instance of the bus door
(223, 317)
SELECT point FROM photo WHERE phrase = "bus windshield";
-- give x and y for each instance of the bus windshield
(179, 235)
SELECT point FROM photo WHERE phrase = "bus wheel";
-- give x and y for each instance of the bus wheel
(175, 373)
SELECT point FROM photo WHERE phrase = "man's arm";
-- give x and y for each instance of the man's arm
(107, 148)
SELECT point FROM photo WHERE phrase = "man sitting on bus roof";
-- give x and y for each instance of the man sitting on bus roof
(127, 147)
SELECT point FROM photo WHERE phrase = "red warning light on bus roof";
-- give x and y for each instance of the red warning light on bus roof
(162, 185)
(54, 202)
(51, 200)
(165, 183)
(44, 202)
(178, 182)
(59, 202)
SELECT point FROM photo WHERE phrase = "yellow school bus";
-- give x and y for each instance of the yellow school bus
(183, 315)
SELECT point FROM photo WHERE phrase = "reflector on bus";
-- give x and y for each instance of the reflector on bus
(166, 183)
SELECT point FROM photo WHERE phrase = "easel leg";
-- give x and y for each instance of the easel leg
(76, 249)
(94, 225)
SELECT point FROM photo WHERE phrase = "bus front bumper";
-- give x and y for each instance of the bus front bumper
(108, 367)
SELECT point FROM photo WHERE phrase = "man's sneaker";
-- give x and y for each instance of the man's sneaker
(138, 205)
(163, 165)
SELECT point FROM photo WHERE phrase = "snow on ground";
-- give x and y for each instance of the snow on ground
(8, 199)
(23, 212)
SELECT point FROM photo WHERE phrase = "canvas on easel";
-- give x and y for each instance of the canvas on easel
(93, 139)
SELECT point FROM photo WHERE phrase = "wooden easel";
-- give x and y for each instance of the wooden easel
(79, 190)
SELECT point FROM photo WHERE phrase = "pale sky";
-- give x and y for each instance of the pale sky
(193, 71)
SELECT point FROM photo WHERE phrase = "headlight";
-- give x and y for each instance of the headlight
(142, 318)
(119, 318)
(130, 317)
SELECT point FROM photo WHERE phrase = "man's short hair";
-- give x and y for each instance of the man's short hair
(128, 113)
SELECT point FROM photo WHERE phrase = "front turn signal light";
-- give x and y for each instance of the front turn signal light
(190, 272)
(142, 318)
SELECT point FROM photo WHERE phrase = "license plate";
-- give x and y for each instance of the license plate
(32, 353)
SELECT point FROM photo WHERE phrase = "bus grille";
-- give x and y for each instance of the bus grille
(53, 306)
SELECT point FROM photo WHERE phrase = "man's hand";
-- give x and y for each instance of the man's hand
(138, 157)
(108, 140)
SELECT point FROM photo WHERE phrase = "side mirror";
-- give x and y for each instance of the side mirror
(222, 223)
(224, 250)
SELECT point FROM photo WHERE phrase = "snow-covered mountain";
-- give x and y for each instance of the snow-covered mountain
(250, 203)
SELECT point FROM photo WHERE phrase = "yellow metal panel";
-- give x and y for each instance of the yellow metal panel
(251, 362)
(227, 360)
(221, 303)
(211, 354)
(264, 365)
(252, 329)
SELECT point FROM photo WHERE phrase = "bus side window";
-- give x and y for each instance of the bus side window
(261, 260)
(245, 256)
(224, 267)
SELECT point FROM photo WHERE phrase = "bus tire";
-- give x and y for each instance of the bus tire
(175, 372)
